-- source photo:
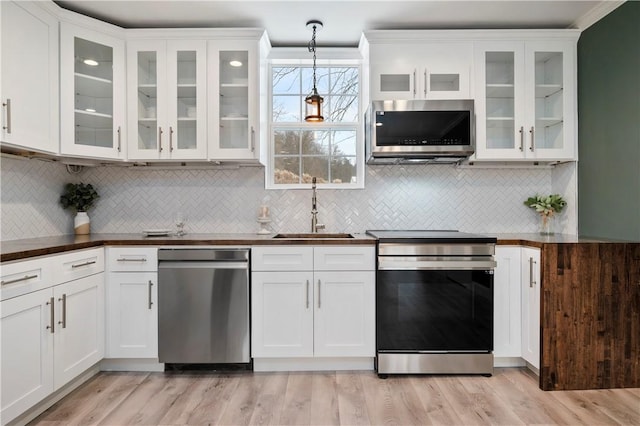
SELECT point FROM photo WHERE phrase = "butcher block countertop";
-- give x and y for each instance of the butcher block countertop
(22, 249)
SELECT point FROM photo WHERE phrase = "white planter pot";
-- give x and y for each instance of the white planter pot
(81, 223)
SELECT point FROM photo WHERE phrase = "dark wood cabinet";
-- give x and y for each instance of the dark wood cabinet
(590, 316)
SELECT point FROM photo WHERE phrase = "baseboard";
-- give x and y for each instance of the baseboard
(312, 364)
(129, 364)
(46, 403)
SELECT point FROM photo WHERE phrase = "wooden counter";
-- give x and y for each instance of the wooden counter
(22, 249)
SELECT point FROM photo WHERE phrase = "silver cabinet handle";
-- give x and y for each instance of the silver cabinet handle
(159, 139)
(414, 83)
(532, 262)
(319, 297)
(170, 139)
(142, 259)
(119, 139)
(53, 317)
(150, 301)
(425, 83)
(63, 299)
(521, 138)
(307, 294)
(17, 280)
(253, 139)
(78, 265)
(7, 105)
(533, 138)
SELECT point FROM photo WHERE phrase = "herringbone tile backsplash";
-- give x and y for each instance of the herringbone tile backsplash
(227, 200)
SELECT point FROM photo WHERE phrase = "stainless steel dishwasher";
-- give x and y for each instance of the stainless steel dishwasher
(203, 306)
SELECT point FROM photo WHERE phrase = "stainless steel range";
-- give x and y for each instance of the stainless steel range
(434, 302)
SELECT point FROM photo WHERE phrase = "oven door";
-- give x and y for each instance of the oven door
(434, 311)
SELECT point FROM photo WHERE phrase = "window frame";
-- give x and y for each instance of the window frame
(332, 57)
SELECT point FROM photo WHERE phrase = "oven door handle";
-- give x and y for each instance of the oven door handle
(413, 265)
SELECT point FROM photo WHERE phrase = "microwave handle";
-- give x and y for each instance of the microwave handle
(414, 82)
(425, 83)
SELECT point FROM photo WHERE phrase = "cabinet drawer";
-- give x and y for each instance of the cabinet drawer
(343, 258)
(21, 277)
(291, 258)
(77, 264)
(132, 259)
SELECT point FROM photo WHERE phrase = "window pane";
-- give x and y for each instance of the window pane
(342, 109)
(344, 142)
(286, 109)
(286, 80)
(315, 166)
(286, 170)
(343, 170)
(286, 142)
(344, 81)
(315, 142)
(322, 80)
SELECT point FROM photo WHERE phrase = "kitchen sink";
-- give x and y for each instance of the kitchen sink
(313, 236)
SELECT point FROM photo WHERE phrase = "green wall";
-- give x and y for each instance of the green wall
(609, 126)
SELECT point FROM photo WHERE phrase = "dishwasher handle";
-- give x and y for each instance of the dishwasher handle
(186, 264)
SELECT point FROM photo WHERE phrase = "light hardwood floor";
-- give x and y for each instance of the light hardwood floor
(510, 397)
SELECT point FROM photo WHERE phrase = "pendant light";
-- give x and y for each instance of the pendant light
(313, 102)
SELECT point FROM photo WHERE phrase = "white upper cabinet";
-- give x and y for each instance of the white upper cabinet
(526, 100)
(29, 82)
(92, 97)
(233, 100)
(167, 99)
(417, 67)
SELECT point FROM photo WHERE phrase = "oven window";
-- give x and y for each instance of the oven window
(434, 311)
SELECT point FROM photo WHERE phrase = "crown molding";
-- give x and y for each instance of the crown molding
(597, 13)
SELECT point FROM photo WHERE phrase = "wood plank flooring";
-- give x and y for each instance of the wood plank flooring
(510, 397)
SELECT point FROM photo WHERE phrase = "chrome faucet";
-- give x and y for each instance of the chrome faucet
(314, 209)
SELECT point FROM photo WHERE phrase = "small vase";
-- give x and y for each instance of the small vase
(81, 223)
(546, 225)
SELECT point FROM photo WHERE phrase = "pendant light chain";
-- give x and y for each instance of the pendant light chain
(312, 48)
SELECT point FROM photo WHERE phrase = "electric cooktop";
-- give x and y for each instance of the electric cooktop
(428, 236)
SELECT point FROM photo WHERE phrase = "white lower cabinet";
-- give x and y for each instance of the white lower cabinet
(313, 312)
(79, 327)
(344, 314)
(516, 329)
(51, 335)
(506, 303)
(282, 314)
(531, 306)
(27, 352)
(132, 300)
(132, 328)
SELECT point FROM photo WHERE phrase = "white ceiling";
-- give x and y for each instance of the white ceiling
(344, 20)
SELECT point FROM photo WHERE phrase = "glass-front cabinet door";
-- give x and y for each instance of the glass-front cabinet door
(233, 102)
(551, 100)
(92, 98)
(500, 106)
(167, 100)
(525, 103)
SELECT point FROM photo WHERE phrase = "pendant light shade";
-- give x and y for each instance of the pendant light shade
(313, 102)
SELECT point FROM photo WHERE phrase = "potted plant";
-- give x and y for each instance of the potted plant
(547, 206)
(79, 197)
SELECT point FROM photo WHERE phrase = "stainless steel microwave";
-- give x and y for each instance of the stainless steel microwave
(416, 131)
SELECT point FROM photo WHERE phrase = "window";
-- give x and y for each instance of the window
(332, 150)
